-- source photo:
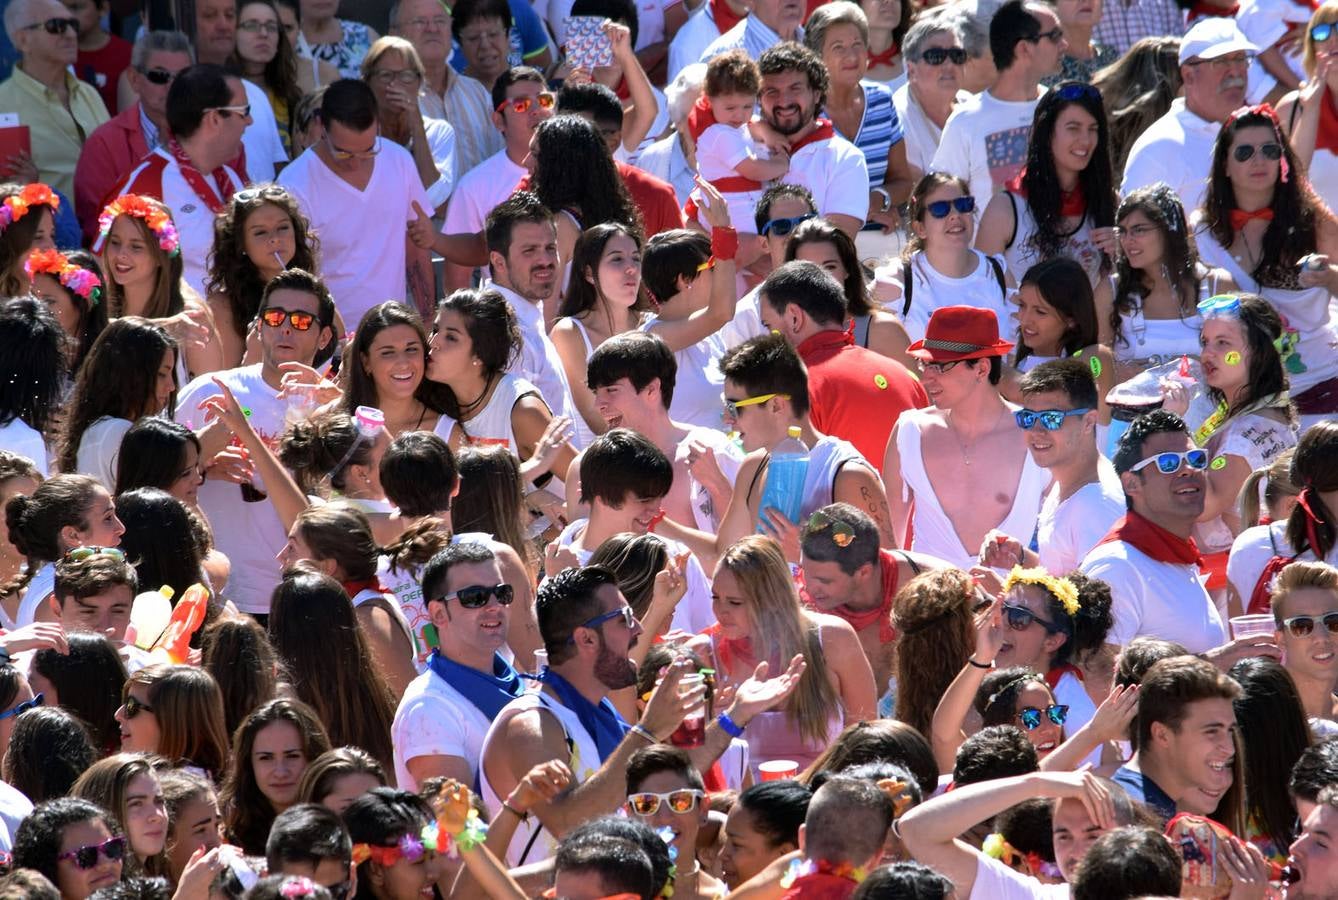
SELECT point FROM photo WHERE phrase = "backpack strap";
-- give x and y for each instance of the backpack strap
(908, 276)
(999, 275)
(1012, 235)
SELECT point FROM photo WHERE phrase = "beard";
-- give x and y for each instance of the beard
(613, 671)
(804, 117)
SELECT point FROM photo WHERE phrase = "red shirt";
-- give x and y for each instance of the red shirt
(856, 394)
(653, 196)
(103, 68)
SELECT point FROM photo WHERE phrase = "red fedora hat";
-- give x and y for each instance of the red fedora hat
(960, 332)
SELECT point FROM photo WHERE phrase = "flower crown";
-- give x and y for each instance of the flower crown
(154, 216)
(73, 278)
(434, 836)
(17, 206)
(1168, 201)
(1062, 589)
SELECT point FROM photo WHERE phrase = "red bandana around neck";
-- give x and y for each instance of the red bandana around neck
(886, 58)
(354, 588)
(824, 131)
(725, 18)
(195, 178)
(862, 619)
(1152, 540)
(1071, 203)
(1327, 138)
(1239, 217)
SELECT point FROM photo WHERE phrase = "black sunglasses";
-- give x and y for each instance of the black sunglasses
(1244, 152)
(159, 77)
(55, 26)
(782, 227)
(939, 209)
(86, 857)
(134, 706)
(476, 595)
(936, 56)
(1019, 618)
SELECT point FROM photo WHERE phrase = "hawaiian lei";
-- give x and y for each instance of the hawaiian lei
(434, 836)
(74, 278)
(153, 214)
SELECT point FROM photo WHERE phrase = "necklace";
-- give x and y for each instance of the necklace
(471, 406)
(1249, 258)
(969, 448)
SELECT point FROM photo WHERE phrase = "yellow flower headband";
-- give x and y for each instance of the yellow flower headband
(1062, 589)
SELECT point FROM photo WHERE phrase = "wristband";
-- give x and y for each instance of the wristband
(971, 661)
(887, 198)
(643, 732)
(724, 243)
(523, 816)
(729, 726)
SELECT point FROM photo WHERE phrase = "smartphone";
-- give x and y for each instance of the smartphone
(587, 45)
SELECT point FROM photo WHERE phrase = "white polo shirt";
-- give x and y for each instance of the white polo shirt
(487, 185)
(833, 170)
(1176, 149)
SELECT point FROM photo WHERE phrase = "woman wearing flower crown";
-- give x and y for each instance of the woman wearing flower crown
(141, 255)
(71, 285)
(27, 222)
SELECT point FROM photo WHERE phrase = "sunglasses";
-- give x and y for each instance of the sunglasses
(936, 56)
(81, 553)
(1030, 716)
(346, 155)
(159, 77)
(1050, 419)
(55, 26)
(940, 209)
(133, 706)
(782, 227)
(1272, 151)
(23, 707)
(1169, 463)
(628, 614)
(242, 111)
(1019, 618)
(732, 407)
(647, 803)
(86, 857)
(269, 192)
(1322, 32)
(522, 105)
(476, 596)
(842, 534)
(1220, 305)
(1304, 626)
(1076, 91)
(1054, 36)
(275, 316)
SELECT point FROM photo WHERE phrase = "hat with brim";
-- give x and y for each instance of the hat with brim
(955, 333)
(1212, 37)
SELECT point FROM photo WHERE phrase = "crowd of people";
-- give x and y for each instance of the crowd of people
(685, 448)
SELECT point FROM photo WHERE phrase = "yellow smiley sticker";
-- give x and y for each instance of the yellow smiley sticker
(1233, 358)
(881, 381)
(1219, 463)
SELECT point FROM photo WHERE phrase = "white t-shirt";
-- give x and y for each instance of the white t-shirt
(720, 149)
(538, 361)
(21, 438)
(434, 719)
(1176, 149)
(441, 139)
(932, 289)
(834, 171)
(100, 448)
(14, 808)
(922, 136)
(1165, 600)
(42, 585)
(1252, 550)
(264, 145)
(995, 881)
(692, 39)
(747, 321)
(1256, 439)
(985, 141)
(1067, 531)
(249, 534)
(362, 266)
(488, 184)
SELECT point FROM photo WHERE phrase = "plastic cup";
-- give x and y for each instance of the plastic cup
(778, 769)
(1245, 626)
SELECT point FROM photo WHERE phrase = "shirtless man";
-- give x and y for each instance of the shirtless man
(963, 460)
(632, 376)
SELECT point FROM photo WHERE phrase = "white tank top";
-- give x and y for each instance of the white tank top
(492, 425)
(826, 459)
(934, 289)
(1022, 253)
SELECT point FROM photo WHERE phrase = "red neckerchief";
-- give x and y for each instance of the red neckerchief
(1055, 674)
(832, 881)
(732, 650)
(725, 18)
(195, 178)
(863, 618)
(886, 58)
(1152, 540)
(1206, 10)
(831, 339)
(700, 117)
(823, 132)
(1327, 138)
(1071, 203)
(1239, 217)
(354, 588)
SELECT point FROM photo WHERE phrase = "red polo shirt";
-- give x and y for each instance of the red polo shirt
(856, 394)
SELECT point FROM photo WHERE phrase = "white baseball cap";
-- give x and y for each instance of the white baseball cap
(1213, 37)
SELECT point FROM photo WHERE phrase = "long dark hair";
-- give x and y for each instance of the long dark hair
(360, 389)
(119, 379)
(1315, 470)
(159, 540)
(583, 292)
(92, 316)
(280, 72)
(152, 454)
(341, 532)
(1161, 205)
(1270, 707)
(380, 818)
(1040, 182)
(48, 750)
(32, 362)
(494, 334)
(1064, 286)
(1262, 326)
(575, 172)
(88, 680)
(820, 231)
(237, 652)
(1291, 234)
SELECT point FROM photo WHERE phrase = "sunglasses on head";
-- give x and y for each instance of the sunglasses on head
(476, 595)
(268, 192)
(842, 534)
(940, 209)
(1220, 305)
(1304, 626)
(647, 803)
(1030, 716)
(23, 707)
(133, 706)
(937, 56)
(1019, 618)
(1050, 419)
(159, 77)
(81, 553)
(55, 25)
(1078, 91)
(628, 614)
(782, 227)
(1169, 463)
(86, 857)
(521, 105)
(1322, 32)
(275, 316)
(1272, 151)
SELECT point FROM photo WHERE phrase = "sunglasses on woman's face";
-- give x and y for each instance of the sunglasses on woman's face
(1304, 626)
(86, 857)
(1322, 32)
(1019, 618)
(647, 803)
(133, 706)
(1244, 152)
(939, 209)
(1030, 716)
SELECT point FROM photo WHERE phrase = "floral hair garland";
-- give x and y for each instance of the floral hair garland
(1062, 589)
(154, 216)
(73, 278)
(17, 206)
(434, 836)
(1029, 863)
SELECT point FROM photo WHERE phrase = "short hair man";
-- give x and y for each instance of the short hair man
(846, 825)
(1132, 861)
(95, 593)
(311, 841)
(1304, 602)
(845, 383)
(1315, 770)
(985, 140)
(1186, 759)
(445, 712)
(1310, 859)
(207, 111)
(1178, 147)
(362, 266)
(963, 457)
(296, 325)
(594, 867)
(769, 23)
(665, 790)
(1059, 419)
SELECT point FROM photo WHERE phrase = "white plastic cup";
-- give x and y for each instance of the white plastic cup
(1259, 623)
(777, 770)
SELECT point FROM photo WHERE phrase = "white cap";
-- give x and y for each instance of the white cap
(1213, 37)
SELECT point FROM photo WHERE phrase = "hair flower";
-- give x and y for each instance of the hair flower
(1061, 589)
(75, 279)
(16, 207)
(154, 214)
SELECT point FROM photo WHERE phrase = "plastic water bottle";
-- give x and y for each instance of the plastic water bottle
(786, 473)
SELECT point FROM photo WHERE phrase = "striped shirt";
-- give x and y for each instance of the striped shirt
(751, 34)
(467, 105)
(878, 131)
(1124, 24)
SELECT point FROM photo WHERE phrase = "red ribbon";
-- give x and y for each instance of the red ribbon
(1071, 203)
(1311, 520)
(1202, 9)
(195, 178)
(1152, 540)
(886, 58)
(1239, 217)
(354, 588)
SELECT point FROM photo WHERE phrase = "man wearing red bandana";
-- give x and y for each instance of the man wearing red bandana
(841, 838)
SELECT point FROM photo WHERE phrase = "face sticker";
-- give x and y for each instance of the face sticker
(1095, 365)
(1233, 358)
(1219, 463)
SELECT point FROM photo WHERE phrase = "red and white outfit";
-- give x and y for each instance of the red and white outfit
(833, 170)
(720, 149)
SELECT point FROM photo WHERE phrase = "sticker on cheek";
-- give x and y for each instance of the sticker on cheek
(1233, 358)
(1219, 463)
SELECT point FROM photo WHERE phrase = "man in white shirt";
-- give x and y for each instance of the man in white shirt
(296, 325)
(770, 23)
(1178, 147)
(349, 174)
(446, 711)
(523, 262)
(712, 19)
(1059, 418)
(794, 90)
(985, 139)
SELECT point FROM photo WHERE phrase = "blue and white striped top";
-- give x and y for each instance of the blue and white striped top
(878, 131)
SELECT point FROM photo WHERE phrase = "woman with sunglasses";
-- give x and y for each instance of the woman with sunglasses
(1310, 114)
(938, 263)
(322, 649)
(1063, 203)
(335, 455)
(76, 844)
(87, 680)
(175, 712)
(1020, 697)
(127, 785)
(1305, 610)
(759, 618)
(665, 791)
(1263, 225)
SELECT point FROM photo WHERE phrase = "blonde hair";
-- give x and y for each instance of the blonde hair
(1278, 485)
(391, 44)
(780, 629)
(1326, 14)
(1298, 576)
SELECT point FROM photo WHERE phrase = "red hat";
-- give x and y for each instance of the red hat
(960, 332)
